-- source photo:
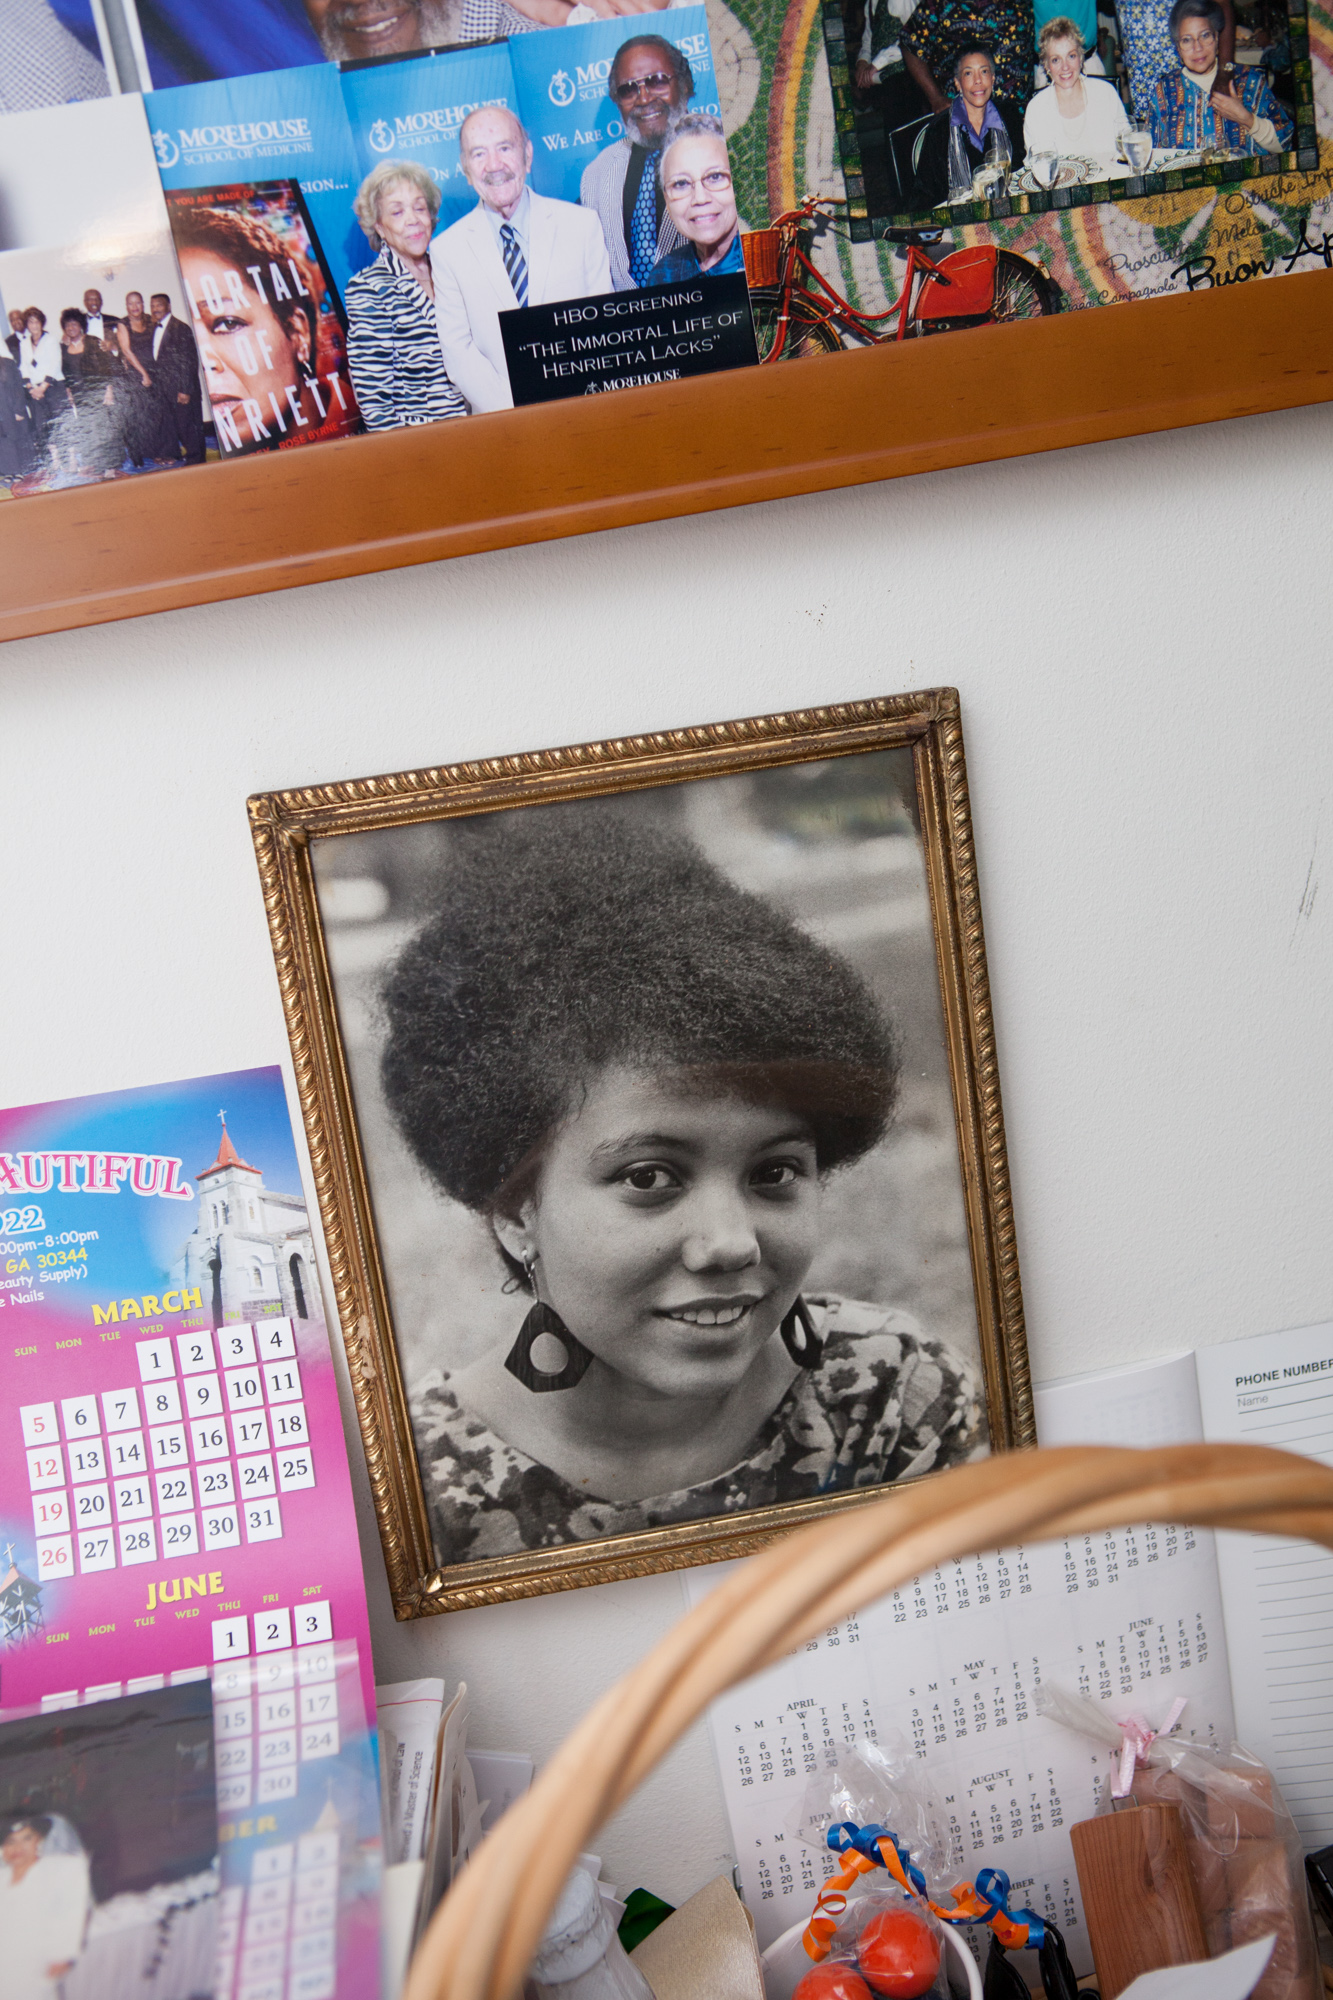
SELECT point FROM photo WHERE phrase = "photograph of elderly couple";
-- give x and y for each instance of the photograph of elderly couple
(438, 194)
(99, 369)
(562, 166)
(955, 101)
(109, 1889)
(655, 1102)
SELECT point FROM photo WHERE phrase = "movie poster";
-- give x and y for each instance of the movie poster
(291, 126)
(89, 384)
(266, 316)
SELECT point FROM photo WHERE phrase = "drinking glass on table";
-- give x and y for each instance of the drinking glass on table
(1136, 148)
(1045, 168)
(999, 159)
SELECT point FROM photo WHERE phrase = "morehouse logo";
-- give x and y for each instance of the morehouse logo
(589, 82)
(263, 138)
(425, 128)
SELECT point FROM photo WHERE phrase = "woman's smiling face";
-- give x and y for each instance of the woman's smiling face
(672, 1228)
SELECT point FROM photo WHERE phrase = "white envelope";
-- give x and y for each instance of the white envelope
(1232, 1977)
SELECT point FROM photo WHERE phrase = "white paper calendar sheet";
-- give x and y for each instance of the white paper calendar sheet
(949, 1665)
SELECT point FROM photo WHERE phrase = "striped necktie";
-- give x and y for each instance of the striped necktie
(515, 263)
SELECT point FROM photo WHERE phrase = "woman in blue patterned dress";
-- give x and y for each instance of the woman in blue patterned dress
(393, 342)
(1195, 107)
(1149, 52)
(642, 1077)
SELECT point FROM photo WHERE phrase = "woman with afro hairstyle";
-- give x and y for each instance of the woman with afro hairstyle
(642, 1076)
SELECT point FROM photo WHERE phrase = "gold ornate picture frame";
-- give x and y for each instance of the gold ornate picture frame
(844, 834)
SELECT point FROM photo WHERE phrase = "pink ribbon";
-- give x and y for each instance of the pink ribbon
(1136, 1738)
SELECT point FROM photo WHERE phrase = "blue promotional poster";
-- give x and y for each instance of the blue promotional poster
(562, 81)
(291, 125)
(415, 111)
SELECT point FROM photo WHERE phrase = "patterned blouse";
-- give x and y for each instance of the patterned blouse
(393, 349)
(884, 1404)
(1183, 115)
(939, 30)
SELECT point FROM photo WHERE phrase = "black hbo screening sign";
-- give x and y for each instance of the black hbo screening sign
(625, 340)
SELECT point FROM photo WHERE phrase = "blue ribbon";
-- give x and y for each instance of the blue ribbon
(992, 1885)
(866, 1839)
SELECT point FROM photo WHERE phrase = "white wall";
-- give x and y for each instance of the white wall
(1140, 634)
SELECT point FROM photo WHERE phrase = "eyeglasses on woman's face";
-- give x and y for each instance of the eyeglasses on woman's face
(656, 85)
(715, 181)
(1196, 39)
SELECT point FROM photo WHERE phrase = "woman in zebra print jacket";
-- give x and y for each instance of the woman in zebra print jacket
(393, 343)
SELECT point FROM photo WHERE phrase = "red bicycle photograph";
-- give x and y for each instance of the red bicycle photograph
(797, 311)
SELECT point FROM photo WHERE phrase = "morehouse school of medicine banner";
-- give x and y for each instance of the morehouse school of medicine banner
(417, 187)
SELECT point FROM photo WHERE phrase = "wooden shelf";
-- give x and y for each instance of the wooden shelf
(267, 523)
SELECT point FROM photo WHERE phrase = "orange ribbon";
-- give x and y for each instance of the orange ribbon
(970, 1907)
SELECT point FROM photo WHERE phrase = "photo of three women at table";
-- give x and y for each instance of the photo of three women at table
(951, 84)
(105, 395)
(656, 207)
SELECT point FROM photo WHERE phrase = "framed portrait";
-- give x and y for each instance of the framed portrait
(651, 1094)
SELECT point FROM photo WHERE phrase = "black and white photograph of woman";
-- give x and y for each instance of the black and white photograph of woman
(656, 1111)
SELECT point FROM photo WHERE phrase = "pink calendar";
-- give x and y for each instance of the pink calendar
(174, 1491)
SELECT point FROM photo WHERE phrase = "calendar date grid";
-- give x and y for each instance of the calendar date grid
(191, 1459)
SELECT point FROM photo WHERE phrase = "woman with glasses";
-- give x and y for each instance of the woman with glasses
(700, 199)
(1195, 107)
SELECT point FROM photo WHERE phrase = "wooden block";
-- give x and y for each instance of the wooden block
(1138, 1894)
(1240, 1805)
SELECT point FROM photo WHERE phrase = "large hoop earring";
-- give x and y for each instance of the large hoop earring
(799, 1337)
(542, 1319)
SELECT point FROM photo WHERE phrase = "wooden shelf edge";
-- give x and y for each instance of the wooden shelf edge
(135, 546)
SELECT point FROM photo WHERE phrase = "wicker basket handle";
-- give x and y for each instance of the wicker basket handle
(482, 1938)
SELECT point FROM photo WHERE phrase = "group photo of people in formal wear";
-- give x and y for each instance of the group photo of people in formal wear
(99, 368)
(95, 383)
(652, 203)
(959, 100)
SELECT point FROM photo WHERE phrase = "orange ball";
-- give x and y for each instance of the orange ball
(899, 1954)
(833, 1982)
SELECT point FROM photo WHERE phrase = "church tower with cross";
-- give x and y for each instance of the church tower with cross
(20, 1603)
(251, 1253)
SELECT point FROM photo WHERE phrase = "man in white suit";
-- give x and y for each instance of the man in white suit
(515, 248)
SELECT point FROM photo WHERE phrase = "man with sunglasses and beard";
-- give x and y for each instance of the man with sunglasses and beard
(650, 84)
